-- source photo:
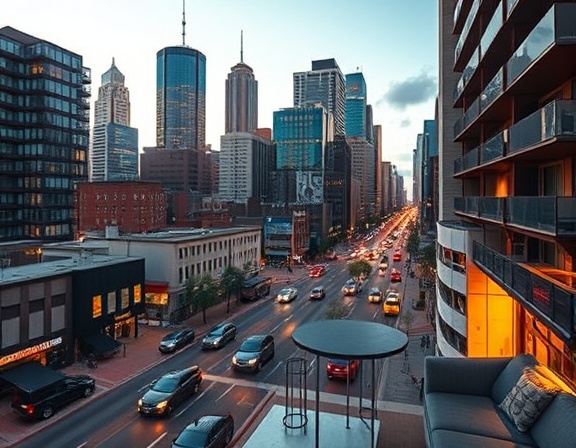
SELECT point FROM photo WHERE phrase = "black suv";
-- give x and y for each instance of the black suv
(44, 402)
(212, 431)
(168, 391)
(254, 352)
(219, 336)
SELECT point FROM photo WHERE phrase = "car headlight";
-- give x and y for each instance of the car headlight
(140, 402)
(252, 361)
(217, 341)
(170, 344)
(234, 360)
(162, 404)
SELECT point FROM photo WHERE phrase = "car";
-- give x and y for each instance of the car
(287, 295)
(167, 392)
(317, 293)
(44, 402)
(375, 295)
(351, 288)
(341, 368)
(384, 262)
(395, 275)
(255, 351)
(213, 431)
(219, 336)
(391, 305)
(317, 271)
(176, 340)
(397, 256)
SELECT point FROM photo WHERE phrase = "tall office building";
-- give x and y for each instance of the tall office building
(241, 97)
(324, 84)
(114, 152)
(506, 236)
(44, 129)
(180, 98)
(356, 105)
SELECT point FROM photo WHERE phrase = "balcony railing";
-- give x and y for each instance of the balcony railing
(555, 119)
(550, 214)
(491, 150)
(543, 296)
(493, 90)
(466, 29)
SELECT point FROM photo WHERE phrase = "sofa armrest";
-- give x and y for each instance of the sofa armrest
(467, 376)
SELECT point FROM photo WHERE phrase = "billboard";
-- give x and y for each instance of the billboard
(309, 187)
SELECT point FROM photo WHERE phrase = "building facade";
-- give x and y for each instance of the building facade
(506, 231)
(180, 98)
(114, 151)
(356, 105)
(241, 98)
(44, 136)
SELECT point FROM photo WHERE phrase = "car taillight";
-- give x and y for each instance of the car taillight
(29, 408)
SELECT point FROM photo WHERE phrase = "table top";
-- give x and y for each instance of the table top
(349, 339)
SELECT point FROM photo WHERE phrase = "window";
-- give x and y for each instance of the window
(137, 293)
(125, 298)
(96, 306)
(111, 302)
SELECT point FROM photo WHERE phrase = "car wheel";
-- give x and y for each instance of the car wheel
(47, 412)
(196, 388)
(87, 392)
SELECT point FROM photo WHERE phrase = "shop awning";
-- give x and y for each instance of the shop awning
(101, 345)
(31, 376)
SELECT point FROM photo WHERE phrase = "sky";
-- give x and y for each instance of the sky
(394, 43)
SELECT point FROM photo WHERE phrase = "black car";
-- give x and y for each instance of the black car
(169, 391)
(219, 336)
(44, 402)
(254, 352)
(214, 431)
(175, 340)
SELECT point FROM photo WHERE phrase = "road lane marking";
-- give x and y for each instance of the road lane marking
(196, 398)
(157, 440)
(224, 393)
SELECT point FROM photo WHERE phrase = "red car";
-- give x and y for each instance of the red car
(317, 271)
(339, 368)
(397, 256)
(395, 275)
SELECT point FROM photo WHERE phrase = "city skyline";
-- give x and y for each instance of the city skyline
(377, 38)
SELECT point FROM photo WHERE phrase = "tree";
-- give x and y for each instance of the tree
(231, 284)
(359, 268)
(428, 263)
(202, 290)
(413, 241)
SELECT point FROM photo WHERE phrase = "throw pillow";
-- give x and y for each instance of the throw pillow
(528, 398)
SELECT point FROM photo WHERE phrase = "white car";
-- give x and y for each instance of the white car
(286, 295)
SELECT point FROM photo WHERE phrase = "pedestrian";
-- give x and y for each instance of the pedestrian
(423, 342)
(427, 341)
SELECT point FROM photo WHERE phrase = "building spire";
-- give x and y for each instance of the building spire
(183, 22)
(242, 46)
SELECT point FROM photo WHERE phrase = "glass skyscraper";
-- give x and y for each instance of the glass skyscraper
(180, 98)
(355, 105)
(44, 130)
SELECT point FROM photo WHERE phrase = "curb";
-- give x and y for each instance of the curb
(250, 420)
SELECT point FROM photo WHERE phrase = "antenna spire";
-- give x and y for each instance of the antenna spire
(183, 22)
(241, 45)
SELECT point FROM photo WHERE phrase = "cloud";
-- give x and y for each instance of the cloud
(409, 92)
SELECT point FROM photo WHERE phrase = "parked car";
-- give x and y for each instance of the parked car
(351, 288)
(391, 305)
(169, 391)
(341, 368)
(317, 293)
(176, 340)
(44, 402)
(254, 352)
(395, 275)
(219, 336)
(287, 295)
(375, 295)
(207, 431)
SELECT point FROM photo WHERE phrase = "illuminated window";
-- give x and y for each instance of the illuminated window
(137, 293)
(125, 298)
(96, 306)
(111, 302)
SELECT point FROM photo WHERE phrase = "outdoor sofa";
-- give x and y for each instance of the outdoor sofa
(496, 403)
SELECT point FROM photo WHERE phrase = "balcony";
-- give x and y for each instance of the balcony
(552, 215)
(485, 208)
(492, 150)
(538, 288)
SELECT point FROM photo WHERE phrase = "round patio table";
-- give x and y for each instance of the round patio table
(349, 339)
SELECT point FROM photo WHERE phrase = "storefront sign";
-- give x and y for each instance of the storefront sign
(42, 347)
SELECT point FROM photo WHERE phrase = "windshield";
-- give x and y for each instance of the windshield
(251, 345)
(165, 385)
(191, 438)
(284, 292)
(216, 331)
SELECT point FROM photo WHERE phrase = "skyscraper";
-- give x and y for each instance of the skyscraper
(114, 154)
(324, 84)
(355, 105)
(180, 98)
(241, 97)
(44, 129)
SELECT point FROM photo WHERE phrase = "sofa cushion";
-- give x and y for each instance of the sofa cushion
(556, 426)
(528, 398)
(510, 376)
(453, 439)
(470, 414)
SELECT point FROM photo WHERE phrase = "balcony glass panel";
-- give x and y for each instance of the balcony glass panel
(534, 212)
(471, 113)
(466, 29)
(566, 223)
(457, 10)
(491, 30)
(492, 208)
(493, 148)
(494, 88)
(510, 6)
(467, 74)
(533, 46)
(470, 159)
(467, 205)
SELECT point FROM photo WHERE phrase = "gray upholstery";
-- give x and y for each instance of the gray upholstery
(461, 398)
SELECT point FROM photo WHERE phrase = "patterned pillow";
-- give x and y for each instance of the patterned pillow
(528, 398)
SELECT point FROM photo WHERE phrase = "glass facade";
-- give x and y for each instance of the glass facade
(44, 119)
(355, 105)
(180, 98)
(122, 144)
